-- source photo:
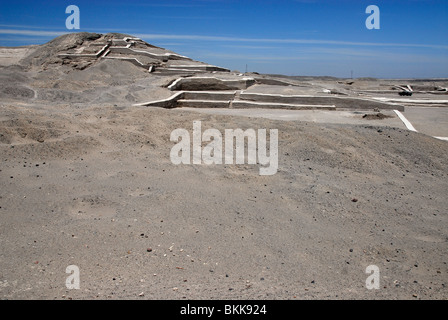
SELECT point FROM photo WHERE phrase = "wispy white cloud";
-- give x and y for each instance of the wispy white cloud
(21, 39)
(265, 41)
(286, 41)
(331, 54)
(27, 26)
(237, 46)
(250, 57)
(32, 32)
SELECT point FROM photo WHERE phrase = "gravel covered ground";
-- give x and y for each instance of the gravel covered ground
(97, 189)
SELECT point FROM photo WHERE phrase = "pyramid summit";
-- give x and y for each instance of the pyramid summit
(81, 50)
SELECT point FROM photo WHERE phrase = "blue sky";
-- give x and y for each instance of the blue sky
(294, 37)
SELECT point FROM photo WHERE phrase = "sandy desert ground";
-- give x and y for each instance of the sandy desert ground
(86, 179)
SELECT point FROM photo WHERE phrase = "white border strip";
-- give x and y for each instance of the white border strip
(411, 127)
(405, 121)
